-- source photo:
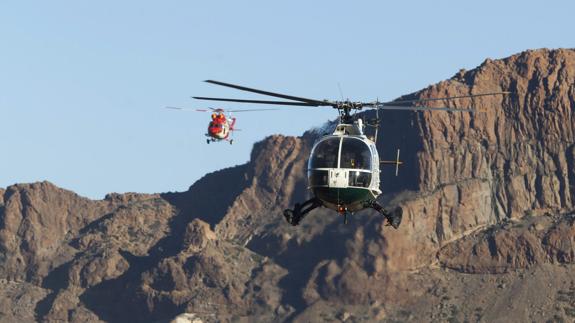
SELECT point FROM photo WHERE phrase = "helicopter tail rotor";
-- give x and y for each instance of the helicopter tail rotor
(395, 162)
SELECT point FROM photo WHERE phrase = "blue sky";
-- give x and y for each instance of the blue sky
(83, 83)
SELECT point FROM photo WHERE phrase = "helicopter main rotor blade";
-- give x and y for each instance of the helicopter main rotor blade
(250, 110)
(218, 109)
(277, 95)
(305, 104)
(188, 109)
(446, 98)
(183, 109)
(408, 108)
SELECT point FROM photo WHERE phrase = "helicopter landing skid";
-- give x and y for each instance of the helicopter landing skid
(393, 218)
(299, 211)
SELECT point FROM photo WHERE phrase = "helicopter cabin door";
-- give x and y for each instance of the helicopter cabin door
(338, 178)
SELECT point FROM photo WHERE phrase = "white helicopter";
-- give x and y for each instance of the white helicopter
(343, 168)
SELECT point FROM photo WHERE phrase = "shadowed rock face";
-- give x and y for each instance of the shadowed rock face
(475, 190)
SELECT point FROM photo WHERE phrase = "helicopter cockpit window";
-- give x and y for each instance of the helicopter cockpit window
(359, 179)
(318, 177)
(325, 154)
(355, 154)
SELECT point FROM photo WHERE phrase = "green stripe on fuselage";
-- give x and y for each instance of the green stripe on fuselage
(342, 196)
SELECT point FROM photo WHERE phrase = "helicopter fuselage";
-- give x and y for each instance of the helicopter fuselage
(343, 169)
(220, 127)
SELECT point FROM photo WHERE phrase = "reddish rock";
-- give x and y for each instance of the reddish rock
(35, 224)
(559, 242)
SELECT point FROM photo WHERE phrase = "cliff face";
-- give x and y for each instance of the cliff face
(512, 158)
(523, 143)
(483, 194)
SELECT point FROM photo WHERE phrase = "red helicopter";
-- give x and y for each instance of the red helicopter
(221, 126)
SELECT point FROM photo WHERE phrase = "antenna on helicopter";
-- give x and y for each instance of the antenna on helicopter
(340, 91)
(376, 124)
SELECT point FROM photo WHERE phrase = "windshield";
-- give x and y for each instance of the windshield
(355, 154)
(325, 153)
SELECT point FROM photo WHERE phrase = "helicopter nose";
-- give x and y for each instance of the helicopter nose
(214, 130)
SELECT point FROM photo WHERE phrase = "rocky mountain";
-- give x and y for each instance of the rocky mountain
(488, 231)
